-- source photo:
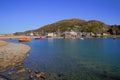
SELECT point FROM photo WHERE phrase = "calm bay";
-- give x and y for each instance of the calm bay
(75, 59)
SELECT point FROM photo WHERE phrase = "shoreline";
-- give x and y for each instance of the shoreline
(12, 37)
(33, 37)
(12, 57)
(12, 54)
(3, 43)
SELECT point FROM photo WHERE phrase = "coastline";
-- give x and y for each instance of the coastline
(11, 37)
(12, 54)
(3, 43)
(32, 37)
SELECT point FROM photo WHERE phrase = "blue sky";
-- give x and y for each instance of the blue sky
(22, 15)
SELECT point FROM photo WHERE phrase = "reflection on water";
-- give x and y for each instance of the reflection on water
(76, 59)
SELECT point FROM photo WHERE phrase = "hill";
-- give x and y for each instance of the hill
(78, 25)
(74, 24)
(63, 25)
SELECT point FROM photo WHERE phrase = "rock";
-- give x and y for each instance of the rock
(13, 64)
(60, 75)
(40, 75)
(43, 76)
(21, 71)
(29, 70)
(31, 76)
(9, 73)
(2, 79)
(37, 74)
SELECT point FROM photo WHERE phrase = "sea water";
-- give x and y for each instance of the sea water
(75, 59)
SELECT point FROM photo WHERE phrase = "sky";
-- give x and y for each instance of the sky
(22, 15)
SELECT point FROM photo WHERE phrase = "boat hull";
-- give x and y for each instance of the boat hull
(24, 40)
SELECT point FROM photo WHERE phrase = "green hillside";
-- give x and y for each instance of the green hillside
(63, 25)
(97, 27)
(76, 25)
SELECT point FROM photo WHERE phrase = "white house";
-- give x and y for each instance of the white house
(70, 34)
(73, 33)
(51, 35)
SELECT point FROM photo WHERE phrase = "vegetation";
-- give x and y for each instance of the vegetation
(94, 26)
(114, 29)
(63, 25)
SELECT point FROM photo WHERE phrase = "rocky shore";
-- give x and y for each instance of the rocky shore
(12, 54)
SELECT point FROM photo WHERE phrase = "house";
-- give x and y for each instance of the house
(70, 34)
(106, 34)
(73, 33)
(51, 35)
(31, 34)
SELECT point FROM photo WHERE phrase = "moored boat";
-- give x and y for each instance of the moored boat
(24, 40)
(40, 38)
(114, 37)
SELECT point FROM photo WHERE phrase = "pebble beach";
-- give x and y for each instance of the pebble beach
(12, 54)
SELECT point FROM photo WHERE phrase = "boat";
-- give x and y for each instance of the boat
(24, 40)
(114, 37)
(82, 38)
(40, 38)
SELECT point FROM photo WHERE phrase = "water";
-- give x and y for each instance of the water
(75, 59)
